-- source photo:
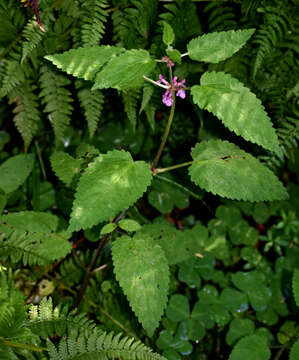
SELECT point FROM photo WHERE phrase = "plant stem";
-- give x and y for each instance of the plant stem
(173, 167)
(41, 163)
(22, 346)
(165, 136)
(94, 261)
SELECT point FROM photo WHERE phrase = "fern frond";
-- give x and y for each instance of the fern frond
(45, 320)
(12, 308)
(220, 16)
(34, 35)
(288, 135)
(182, 16)
(94, 20)
(276, 25)
(92, 104)
(132, 26)
(57, 100)
(101, 346)
(130, 100)
(31, 237)
(13, 75)
(27, 115)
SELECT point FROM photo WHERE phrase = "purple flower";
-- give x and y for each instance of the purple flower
(175, 86)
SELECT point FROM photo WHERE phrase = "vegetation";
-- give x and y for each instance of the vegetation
(149, 171)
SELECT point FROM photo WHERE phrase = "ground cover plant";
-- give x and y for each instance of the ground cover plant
(149, 179)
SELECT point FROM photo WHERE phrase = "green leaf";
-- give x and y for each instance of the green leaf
(32, 237)
(253, 284)
(174, 55)
(287, 331)
(168, 34)
(178, 308)
(217, 46)
(84, 62)
(294, 353)
(165, 196)
(251, 347)
(295, 284)
(239, 328)
(14, 171)
(111, 183)
(129, 225)
(243, 233)
(65, 166)
(125, 71)
(142, 271)
(177, 245)
(222, 168)
(237, 107)
(234, 300)
(108, 228)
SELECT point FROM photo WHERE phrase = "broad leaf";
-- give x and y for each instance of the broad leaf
(125, 71)
(296, 286)
(33, 237)
(237, 107)
(142, 271)
(65, 166)
(224, 169)
(251, 347)
(111, 183)
(217, 46)
(84, 62)
(14, 171)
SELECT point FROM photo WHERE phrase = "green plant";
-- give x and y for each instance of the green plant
(88, 215)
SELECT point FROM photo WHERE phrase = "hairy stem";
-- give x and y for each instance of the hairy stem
(173, 167)
(165, 136)
(93, 264)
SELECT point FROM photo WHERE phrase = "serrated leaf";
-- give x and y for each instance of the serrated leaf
(65, 166)
(251, 347)
(168, 34)
(224, 169)
(294, 353)
(237, 107)
(14, 171)
(129, 225)
(125, 71)
(142, 271)
(84, 62)
(111, 183)
(217, 46)
(295, 284)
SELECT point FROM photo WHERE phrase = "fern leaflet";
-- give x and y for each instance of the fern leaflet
(94, 19)
(92, 104)
(27, 115)
(57, 100)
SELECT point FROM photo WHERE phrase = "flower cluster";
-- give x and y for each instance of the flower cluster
(172, 87)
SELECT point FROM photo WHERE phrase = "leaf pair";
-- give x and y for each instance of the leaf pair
(107, 66)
